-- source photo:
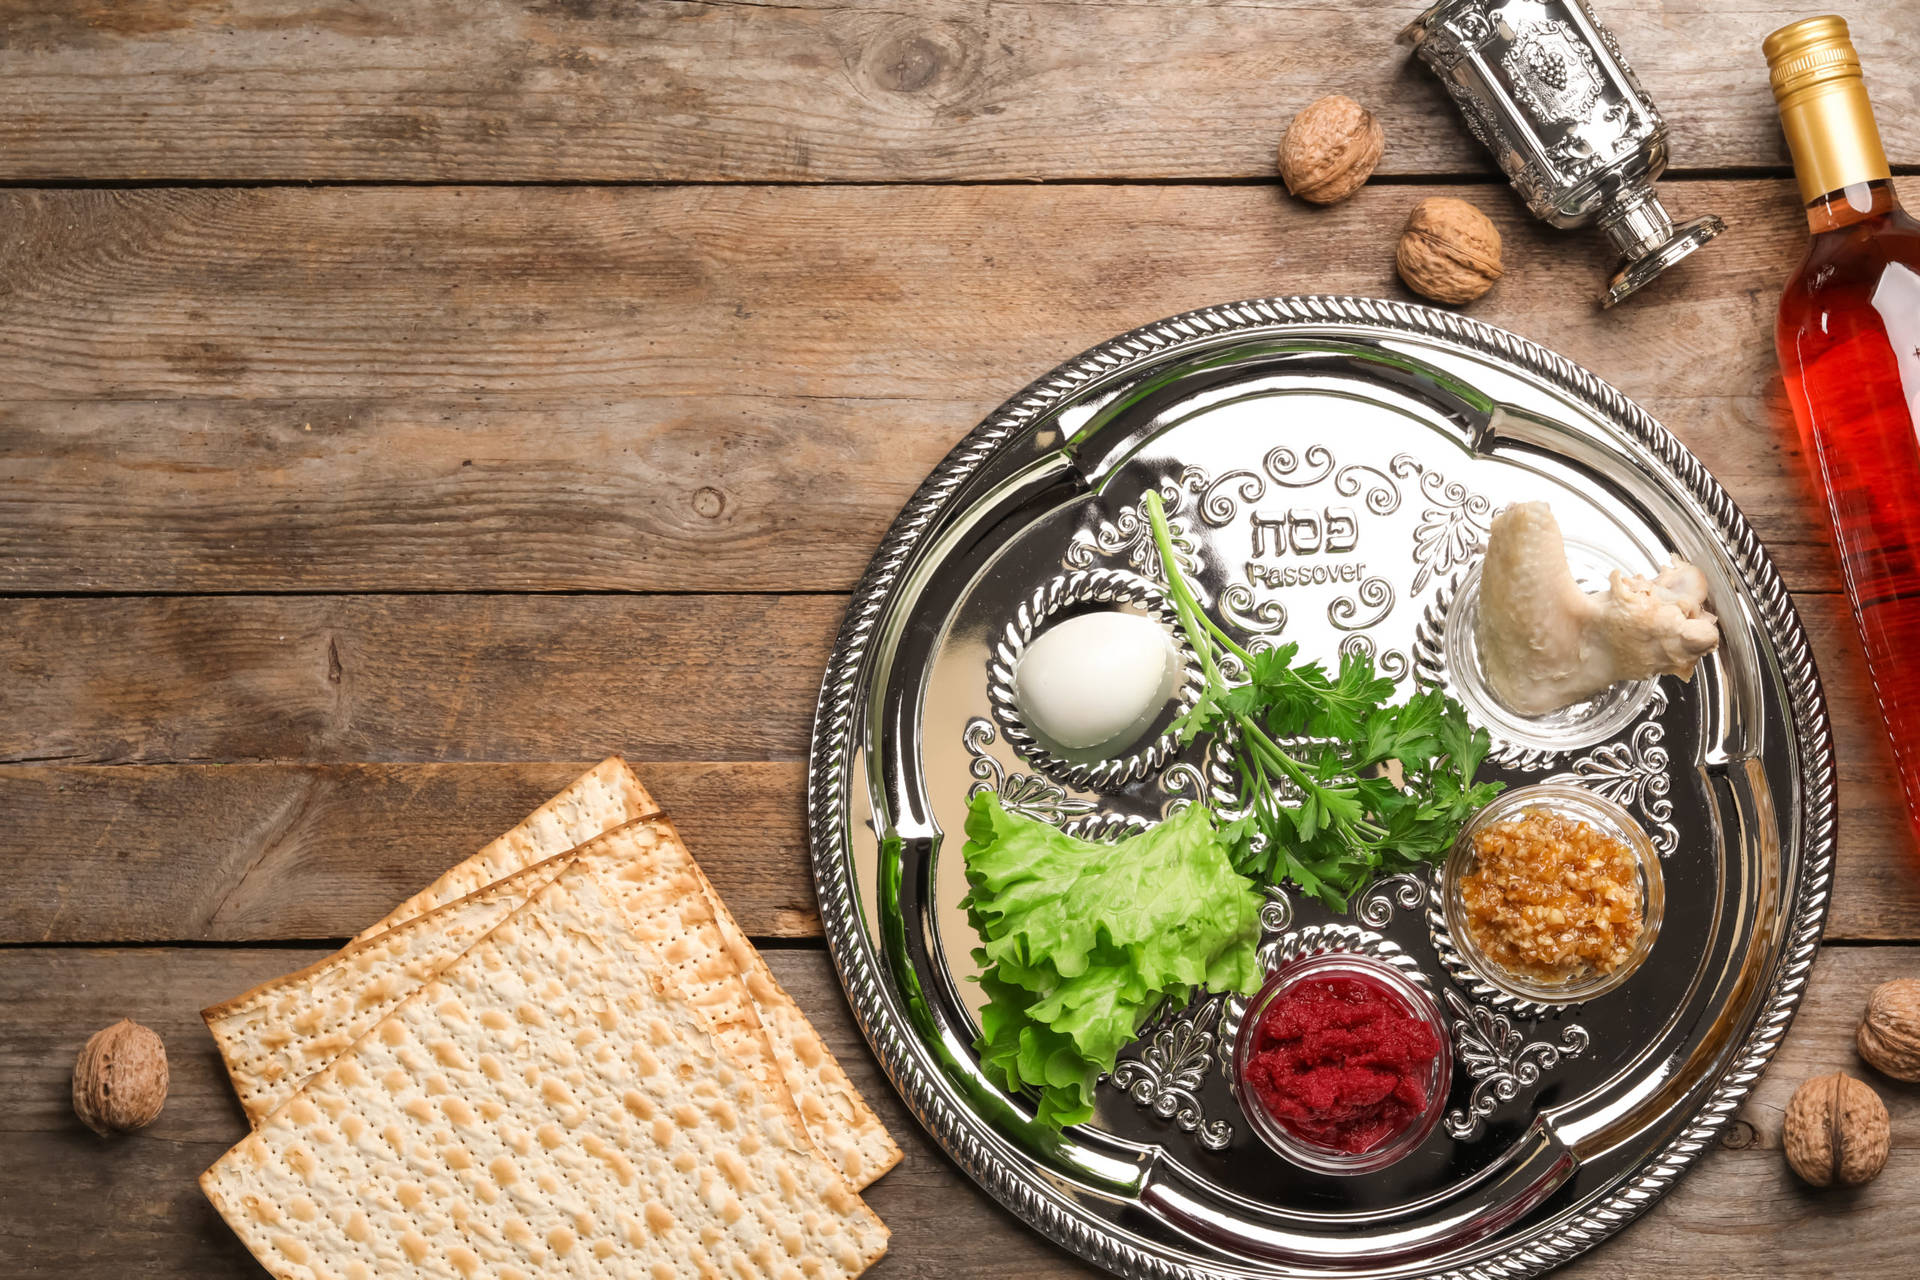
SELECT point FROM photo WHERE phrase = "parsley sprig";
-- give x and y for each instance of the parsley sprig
(1315, 754)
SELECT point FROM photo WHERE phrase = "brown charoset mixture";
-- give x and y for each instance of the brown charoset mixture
(1551, 897)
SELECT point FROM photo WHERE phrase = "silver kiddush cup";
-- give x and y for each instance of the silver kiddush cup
(1544, 86)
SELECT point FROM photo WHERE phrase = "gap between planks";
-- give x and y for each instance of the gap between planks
(834, 89)
(1459, 177)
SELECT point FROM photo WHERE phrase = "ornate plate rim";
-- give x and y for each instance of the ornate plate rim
(1030, 1196)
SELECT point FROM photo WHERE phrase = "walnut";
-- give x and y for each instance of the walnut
(1889, 1036)
(120, 1078)
(1330, 149)
(1450, 250)
(1837, 1130)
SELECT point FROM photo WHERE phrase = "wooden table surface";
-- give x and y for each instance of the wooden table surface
(403, 405)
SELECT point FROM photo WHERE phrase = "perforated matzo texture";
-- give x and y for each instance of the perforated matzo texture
(594, 803)
(839, 1120)
(544, 1107)
(275, 1036)
(667, 909)
(278, 1034)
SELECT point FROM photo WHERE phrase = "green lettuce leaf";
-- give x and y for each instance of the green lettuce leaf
(1080, 942)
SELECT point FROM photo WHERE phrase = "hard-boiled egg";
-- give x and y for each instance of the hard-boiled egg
(1096, 680)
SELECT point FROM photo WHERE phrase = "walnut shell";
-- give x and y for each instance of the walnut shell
(1837, 1131)
(1889, 1037)
(1450, 250)
(120, 1078)
(1330, 149)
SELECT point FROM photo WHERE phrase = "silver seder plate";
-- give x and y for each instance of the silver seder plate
(1330, 465)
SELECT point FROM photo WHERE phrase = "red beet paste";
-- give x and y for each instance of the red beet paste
(1340, 1063)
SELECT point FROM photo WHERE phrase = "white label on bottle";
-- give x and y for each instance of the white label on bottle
(1897, 299)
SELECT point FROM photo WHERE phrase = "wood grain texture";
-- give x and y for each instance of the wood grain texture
(181, 848)
(423, 678)
(345, 679)
(289, 396)
(821, 90)
(1739, 1216)
(518, 295)
(272, 851)
(710, 493)
(78, 1205)
(716, 492)
(705, 389)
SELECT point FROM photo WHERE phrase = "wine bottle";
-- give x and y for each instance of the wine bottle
(1849, 343)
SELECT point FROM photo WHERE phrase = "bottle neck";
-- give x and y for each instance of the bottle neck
(1850, 204)
(1835, 143)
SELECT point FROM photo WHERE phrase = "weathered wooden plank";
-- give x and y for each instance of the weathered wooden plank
(345, 679)
(713, 492)
(270, 851)
(524, 294)
(328, 363)
(1740, 1215)
(163, 853)
(169, 851)
(424, 678)
(80, 1205)
(843, 90)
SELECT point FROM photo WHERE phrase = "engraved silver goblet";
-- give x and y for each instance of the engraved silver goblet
(1545, 87)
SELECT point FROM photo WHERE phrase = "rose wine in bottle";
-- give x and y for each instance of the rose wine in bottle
(1849, 343)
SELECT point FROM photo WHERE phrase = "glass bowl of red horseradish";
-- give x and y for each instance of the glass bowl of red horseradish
(1342, 1064)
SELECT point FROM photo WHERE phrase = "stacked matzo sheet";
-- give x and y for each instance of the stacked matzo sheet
(280, 1033)
(556, 1101)
(281, 1039)
(591, 805)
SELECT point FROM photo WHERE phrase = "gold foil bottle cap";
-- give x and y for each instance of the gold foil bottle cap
(1809, 52)
(1823, 104)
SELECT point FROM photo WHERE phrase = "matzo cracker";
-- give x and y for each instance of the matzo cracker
(595, 802)
(546, 1103)
(275, 1036)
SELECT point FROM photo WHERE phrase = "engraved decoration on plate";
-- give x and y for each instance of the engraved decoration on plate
(1500, 1060)
(1176, 1052)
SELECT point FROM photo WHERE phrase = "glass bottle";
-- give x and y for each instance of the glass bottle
(1849, 343)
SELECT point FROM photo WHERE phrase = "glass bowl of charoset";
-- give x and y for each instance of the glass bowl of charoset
(1566, 800)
